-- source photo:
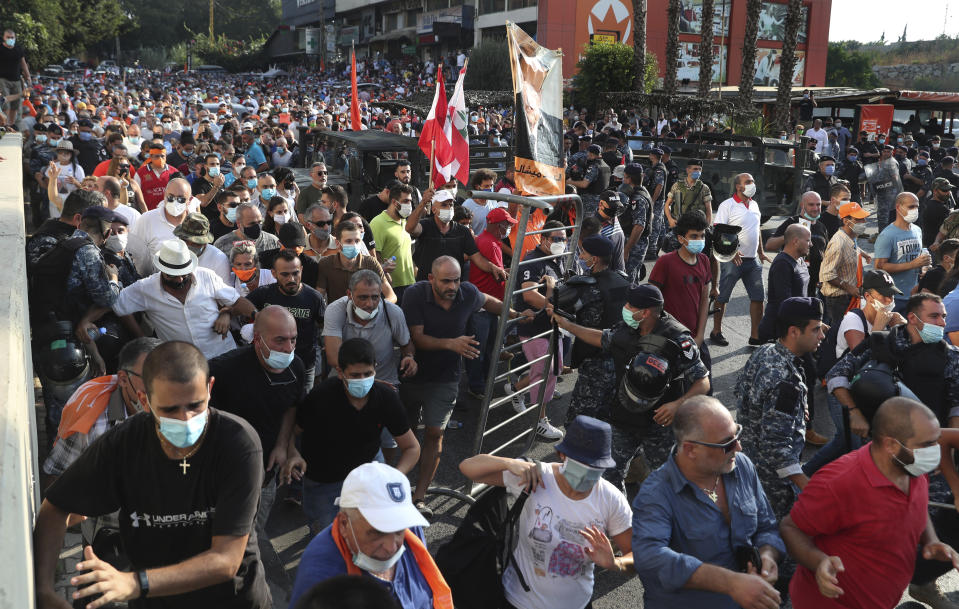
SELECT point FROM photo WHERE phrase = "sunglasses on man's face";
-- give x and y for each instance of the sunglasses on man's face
(727, 446)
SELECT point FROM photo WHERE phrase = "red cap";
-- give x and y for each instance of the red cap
(499, 214)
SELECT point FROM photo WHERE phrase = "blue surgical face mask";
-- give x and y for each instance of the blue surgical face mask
(183, 434)
(580, 476)
(231, 214)
(350, 251)
(251, 183)
(628, 318)
(278, 360)
(213, 171)
(696, 246)
(931, 333)
(360, 387)
(922, 162)
(86, 136)
(267, 193)
(695, 175)
(852, 158)
(40, 139)
(830, 169)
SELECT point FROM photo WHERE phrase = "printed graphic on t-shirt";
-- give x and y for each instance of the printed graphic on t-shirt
(908, 249)
(567, 558)
(194, 518)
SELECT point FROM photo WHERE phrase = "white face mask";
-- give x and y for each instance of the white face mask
(749, 190)
(924, 460)
(365, 315)
(911, 216)
(116, 243)
(405, 210)
(445, 215)
(372, 565)
(557, 248)
(878, 306)
(858, 228)
(174, 208)
(282, 218)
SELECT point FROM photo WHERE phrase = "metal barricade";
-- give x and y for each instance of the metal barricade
(482, 441)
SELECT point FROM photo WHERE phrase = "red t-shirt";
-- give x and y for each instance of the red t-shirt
(488, 245)
(682, 285)
(851, 510)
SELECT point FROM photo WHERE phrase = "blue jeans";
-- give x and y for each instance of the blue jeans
(836, 447)
(318, 505)
(484, 328)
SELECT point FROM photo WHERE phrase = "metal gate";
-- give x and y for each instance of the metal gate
(491, 440)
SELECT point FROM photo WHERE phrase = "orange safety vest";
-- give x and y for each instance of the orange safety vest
(442, 597)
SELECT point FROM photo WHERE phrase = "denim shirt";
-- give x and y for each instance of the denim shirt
(677, 528)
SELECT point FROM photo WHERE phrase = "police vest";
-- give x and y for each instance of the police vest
(601, 182)
(633, 194)
(602, 309)
(666, 340)
(921, 367)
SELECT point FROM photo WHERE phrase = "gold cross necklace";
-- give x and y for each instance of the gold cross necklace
(712, 494)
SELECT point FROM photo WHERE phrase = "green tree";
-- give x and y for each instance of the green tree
(672, 47)
(640, 8)
(706, 49)
(748, 73)
(488, 68)
(39, 29)
(603, 67)
(848, 67)
(787, 64)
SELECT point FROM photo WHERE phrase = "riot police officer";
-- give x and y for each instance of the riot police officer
(918, 180)
(850, 170)
(672, 169)
(824, 179)
(595, 179)
(657, 368)
(886, 184)
(601, 301)
(635, 220)
(772, 390)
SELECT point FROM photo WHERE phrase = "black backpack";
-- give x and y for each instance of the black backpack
(827, 348)
(473, 561)
(47, 281)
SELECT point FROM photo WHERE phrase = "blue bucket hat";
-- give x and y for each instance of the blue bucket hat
(588, 441)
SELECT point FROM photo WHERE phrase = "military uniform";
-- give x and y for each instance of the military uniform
(771, 392)
(639, 211)
(597, 174)
(658, 175)
(634, 431)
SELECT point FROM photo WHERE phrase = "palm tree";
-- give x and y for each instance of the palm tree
(753, 8)
(787, 63)
(706, 49)
(639, 44)
(672, 47)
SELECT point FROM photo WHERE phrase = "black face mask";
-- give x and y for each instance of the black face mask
(175, 283)
(252, 231)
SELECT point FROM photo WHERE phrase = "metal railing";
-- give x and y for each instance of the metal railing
(483, 441)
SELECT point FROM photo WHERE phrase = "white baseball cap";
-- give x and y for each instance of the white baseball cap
(382, 495)
(443, 195)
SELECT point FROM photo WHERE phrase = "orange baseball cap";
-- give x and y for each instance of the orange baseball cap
(852, 209)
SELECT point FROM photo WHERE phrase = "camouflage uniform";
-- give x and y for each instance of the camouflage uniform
(590, 200)
(594, 390)
(658, 175)
(771, 391)
(637, 200)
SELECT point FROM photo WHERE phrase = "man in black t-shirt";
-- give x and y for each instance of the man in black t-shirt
(13, 64)
(207, 186)
(263, 383)
(304, 303)
(810, 216)
(342, 419)
(168, 471)
(374, 205)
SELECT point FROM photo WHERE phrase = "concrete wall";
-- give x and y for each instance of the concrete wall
(19, 491)
(900, 75)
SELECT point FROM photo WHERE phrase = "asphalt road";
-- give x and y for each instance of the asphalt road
(288, 532)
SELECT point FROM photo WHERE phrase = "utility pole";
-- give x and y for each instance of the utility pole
(211, 21)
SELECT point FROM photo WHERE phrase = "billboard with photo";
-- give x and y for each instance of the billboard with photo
(767, 67)
(689, 61)
(772, 22)
(691, 17)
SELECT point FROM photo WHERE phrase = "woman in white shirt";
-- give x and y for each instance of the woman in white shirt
(568, 520)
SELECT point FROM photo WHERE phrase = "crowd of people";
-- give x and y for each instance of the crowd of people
(207, 332)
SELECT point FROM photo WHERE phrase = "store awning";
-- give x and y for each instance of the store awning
(408, 33)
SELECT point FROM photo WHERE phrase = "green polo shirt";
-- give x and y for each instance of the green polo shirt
(393, 240)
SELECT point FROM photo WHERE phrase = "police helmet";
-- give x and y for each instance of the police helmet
(569, 294)
(646, 379)
(874, 384)
(64, 359)
(670, 241)
(614, 201)
(725, 241)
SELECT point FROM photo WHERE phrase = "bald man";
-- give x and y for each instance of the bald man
(809, 214)
(696, 511)
(156, 226)
(899, 249)
(263, 383)
(437, 312)
(788, 277)
(864, 557)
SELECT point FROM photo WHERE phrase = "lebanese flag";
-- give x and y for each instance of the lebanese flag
(457, 133)
(433, 139)
(355, 123)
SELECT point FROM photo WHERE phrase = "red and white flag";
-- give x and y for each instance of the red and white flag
(434, 140)
(457, 133)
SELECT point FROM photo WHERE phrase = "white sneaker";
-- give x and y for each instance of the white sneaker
(546, 431)
(519, 401)
(931, 595)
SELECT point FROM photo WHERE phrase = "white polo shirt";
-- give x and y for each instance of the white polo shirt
(191, 321)
(737, 213)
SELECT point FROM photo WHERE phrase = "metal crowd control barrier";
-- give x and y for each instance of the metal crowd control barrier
(482, 439)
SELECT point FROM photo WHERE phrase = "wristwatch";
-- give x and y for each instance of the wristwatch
(144, 583)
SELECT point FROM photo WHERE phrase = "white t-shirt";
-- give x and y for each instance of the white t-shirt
(821, 136)
(550, 551)
(129, 214)
(850, 322)
(737, 214)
